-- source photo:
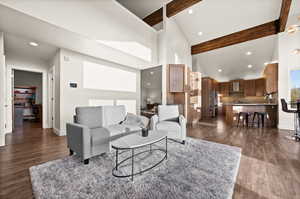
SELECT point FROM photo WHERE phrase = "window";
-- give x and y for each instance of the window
(100, 102)
(96, 76)
(130, 47)
(130, 105)
(295, 83)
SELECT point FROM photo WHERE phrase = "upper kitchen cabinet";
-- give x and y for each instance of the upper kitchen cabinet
(260, 87)
(237, 86)
(271, 75)
(249, 88)
(176, 78)
(224, 88)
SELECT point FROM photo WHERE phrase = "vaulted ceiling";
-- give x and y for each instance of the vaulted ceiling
(214, 19)
(143, 8)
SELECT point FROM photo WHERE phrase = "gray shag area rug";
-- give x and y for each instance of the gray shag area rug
(198, 169)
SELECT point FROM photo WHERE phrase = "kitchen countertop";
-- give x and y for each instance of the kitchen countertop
(250, 104)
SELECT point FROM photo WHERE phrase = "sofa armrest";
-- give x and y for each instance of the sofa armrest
(153, 122)
(79, 139)
(182, 122)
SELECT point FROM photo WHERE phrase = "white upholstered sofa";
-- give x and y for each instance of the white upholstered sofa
(95, 127)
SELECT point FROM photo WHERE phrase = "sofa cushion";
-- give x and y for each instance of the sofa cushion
(168, 112)
(134, 120)
(116, 129)
(168, 126)
(113, 114)
(89, 116)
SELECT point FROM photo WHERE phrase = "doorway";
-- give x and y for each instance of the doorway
(27, 96)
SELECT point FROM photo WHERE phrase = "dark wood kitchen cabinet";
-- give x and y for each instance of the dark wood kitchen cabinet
(260, 87)
(249, 88)
(224, 88)
(209, 94)
(271, 75)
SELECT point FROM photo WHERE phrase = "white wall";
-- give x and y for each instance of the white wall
(1, 43)
(71, 67)
(173, 48)
(104, 20)
(287, 43)
(2, 91)
(178, 47)
(25, 63)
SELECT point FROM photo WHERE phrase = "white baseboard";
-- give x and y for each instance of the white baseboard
(56, 131)
(285, 126)
(2, 141)
(63, 133)
(59, 132)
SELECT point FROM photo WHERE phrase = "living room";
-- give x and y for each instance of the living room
(122, 100)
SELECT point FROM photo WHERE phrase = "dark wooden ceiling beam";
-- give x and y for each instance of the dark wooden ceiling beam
(176, 6)
(173, 8)
(256, 32)
(155, 17)
(284, 14)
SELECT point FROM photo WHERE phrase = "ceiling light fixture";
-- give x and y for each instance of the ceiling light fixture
(33, 44)
(248, 53)
(293, 28)
(296, 51)
(200, 33)
(249, 66)
(220, 70)
(190, 11)
(151, 73)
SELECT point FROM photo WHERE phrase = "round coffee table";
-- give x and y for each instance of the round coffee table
(135, 141)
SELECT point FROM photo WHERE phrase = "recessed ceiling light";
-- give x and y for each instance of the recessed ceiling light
(151, 73)
(33, 44)
(248, 53)
(220, 70)
(200, 33)
(148, 84)
(249, 66)
(190, 11)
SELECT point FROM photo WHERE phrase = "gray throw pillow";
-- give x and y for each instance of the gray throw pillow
(132, 119)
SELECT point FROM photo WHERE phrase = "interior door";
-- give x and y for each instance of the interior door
(51, 98)
(2, 99)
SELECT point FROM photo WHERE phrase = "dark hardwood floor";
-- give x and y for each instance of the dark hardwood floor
(270, 163)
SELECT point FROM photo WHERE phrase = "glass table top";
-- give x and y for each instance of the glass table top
(136, 140)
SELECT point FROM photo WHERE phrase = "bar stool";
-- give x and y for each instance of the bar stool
(296, 113)
(245, 118)
(260, 118)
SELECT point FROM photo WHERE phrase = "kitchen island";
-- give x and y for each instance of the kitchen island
(232, 110)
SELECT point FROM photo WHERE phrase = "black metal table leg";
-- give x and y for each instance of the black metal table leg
(132, 165)
(166, 147)
(117, 153)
